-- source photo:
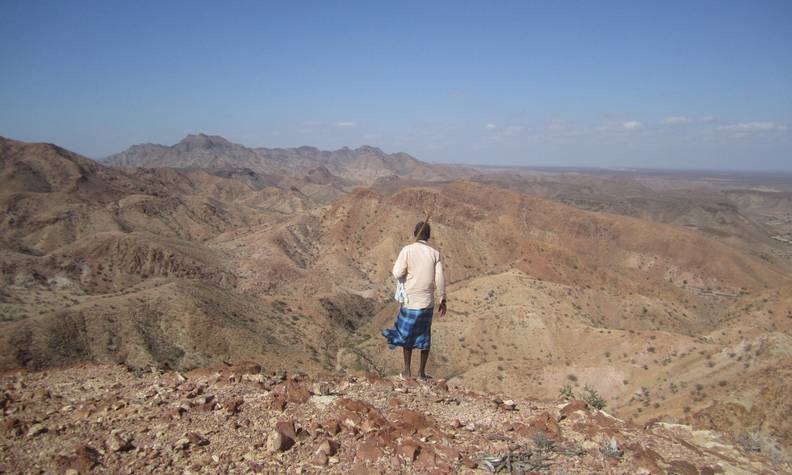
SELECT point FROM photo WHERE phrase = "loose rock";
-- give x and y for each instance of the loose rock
(119, 442)
(36, 429)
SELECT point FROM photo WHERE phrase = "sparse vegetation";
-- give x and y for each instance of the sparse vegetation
(593, 398)
(542, 441)
(566, 392)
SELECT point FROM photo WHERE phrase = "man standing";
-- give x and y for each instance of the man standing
(420, 268)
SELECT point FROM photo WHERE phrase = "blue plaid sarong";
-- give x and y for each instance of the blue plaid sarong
(413, 329)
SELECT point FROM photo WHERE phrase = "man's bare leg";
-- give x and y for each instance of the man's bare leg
(407, 361)
(424, 359)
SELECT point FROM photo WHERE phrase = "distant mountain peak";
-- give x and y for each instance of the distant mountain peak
(203, 141)
(370, 149)
(307, 149)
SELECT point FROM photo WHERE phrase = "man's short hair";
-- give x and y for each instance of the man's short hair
(424, 229)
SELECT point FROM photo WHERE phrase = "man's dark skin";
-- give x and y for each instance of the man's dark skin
(441, 310)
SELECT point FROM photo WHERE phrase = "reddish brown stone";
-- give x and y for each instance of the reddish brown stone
(394, 435)
(297, 393)
(683, 467)
(232, 406)
(575, 405)
(373, 421)
(331, 426)
(319, 458)
(314, 426)
(286, 428)
(448, 453)
(710, 470)
(197, 439)
(277, 402)
(412, 420)
(85, 458)
(408, 450)
(427, 460)
(195, 391)
(277, 441)
(328, 446)
(645, 458)
(368, 451)
(542, 422)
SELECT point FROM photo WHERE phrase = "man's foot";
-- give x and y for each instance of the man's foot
(424, 376)
(406, 375)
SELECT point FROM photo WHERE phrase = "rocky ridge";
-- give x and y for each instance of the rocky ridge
(364, 164)
(242, 419)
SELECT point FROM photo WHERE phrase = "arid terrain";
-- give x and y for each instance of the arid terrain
(669, 294)
(238, 419)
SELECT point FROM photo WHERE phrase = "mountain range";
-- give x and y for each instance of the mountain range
(673, 302)
(364, 164)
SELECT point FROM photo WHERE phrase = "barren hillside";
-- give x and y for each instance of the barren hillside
(205, 262)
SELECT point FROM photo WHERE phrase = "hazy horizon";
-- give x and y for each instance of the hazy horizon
(706, 86)
(571, 167)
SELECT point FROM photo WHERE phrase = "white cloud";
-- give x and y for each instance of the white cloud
(754, 127)
(346, 124)
(632, 125)
(676, 120)
(490, 126)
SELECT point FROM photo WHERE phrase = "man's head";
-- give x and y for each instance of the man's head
(422, 231)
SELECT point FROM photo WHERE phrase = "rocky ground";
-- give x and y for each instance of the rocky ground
(241, 419)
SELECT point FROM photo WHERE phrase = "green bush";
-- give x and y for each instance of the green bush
(566, 392)
(593, 398)
(542, 441)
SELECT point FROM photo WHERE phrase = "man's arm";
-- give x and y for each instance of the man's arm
(440, 286)
(400, 266)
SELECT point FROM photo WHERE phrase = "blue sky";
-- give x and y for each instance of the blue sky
(702, 84)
